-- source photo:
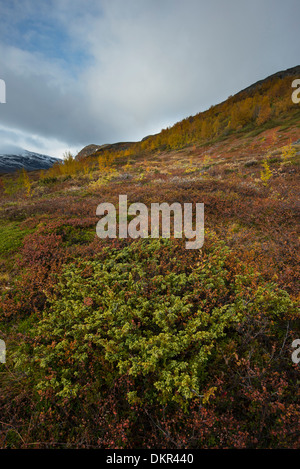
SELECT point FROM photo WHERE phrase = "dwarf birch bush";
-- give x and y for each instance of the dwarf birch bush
(122, 315)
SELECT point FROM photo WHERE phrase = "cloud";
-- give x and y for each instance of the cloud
(12, 139)
(80, 72)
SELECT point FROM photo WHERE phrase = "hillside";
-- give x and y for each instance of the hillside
(265, 104)
(141, 343)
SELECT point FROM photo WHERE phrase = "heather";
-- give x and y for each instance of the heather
(130, 343)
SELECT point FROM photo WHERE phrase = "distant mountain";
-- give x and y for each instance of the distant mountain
(89, 150)
(11, 161)
(92, 149)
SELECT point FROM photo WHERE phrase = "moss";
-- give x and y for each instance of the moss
(11, 237)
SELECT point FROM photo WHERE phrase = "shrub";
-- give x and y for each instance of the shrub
(45, 181)
(266, 174)
(140, 313)
(288, 152)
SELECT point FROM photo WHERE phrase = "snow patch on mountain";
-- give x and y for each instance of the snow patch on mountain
(15, 158)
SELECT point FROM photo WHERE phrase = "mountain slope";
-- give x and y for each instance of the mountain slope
(11, 162)
(262, 105)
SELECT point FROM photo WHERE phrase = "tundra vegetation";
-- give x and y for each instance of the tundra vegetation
(142, 343)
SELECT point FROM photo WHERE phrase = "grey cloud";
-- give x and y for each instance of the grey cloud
(152, 63)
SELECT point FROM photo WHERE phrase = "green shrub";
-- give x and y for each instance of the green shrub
(48, 181)
(75, 234)
(142, 313)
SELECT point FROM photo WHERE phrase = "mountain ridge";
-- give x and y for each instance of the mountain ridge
(29, 160)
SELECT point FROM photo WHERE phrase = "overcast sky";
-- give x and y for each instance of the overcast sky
(101, 71)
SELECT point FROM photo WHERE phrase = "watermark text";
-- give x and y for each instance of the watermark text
(2, 351)
(160, 216)
(2, 91)
(296, 93)
(296, 353)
